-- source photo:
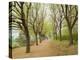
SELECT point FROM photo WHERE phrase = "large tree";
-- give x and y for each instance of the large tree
(34, 16)
(42, 16)
(55, 21)
(18, 19)
(36, 22)
(61, 18)
(71, 16)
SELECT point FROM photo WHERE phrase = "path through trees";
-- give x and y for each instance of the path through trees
(46, 48)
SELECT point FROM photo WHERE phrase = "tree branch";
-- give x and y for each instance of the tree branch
(76, 18)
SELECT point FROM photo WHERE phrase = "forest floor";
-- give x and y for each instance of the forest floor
(46, 48)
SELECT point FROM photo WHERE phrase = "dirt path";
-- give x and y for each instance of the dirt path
(46, 48)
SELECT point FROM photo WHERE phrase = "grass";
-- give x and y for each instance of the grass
(64, 47)
(66, 37)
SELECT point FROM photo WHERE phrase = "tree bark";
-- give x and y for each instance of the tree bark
(36, 39)
(71, 36)
(27, 41)
(60, 31)
(40, 38)
(70, 32)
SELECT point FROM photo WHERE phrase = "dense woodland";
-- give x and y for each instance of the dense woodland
(32, 23)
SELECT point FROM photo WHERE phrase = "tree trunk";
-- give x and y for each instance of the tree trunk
(27, 40)
(36, 39)
(35, 33)
(60, 32)
(40, 38)
(70, 31)
(56, 35)
(71, 37)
